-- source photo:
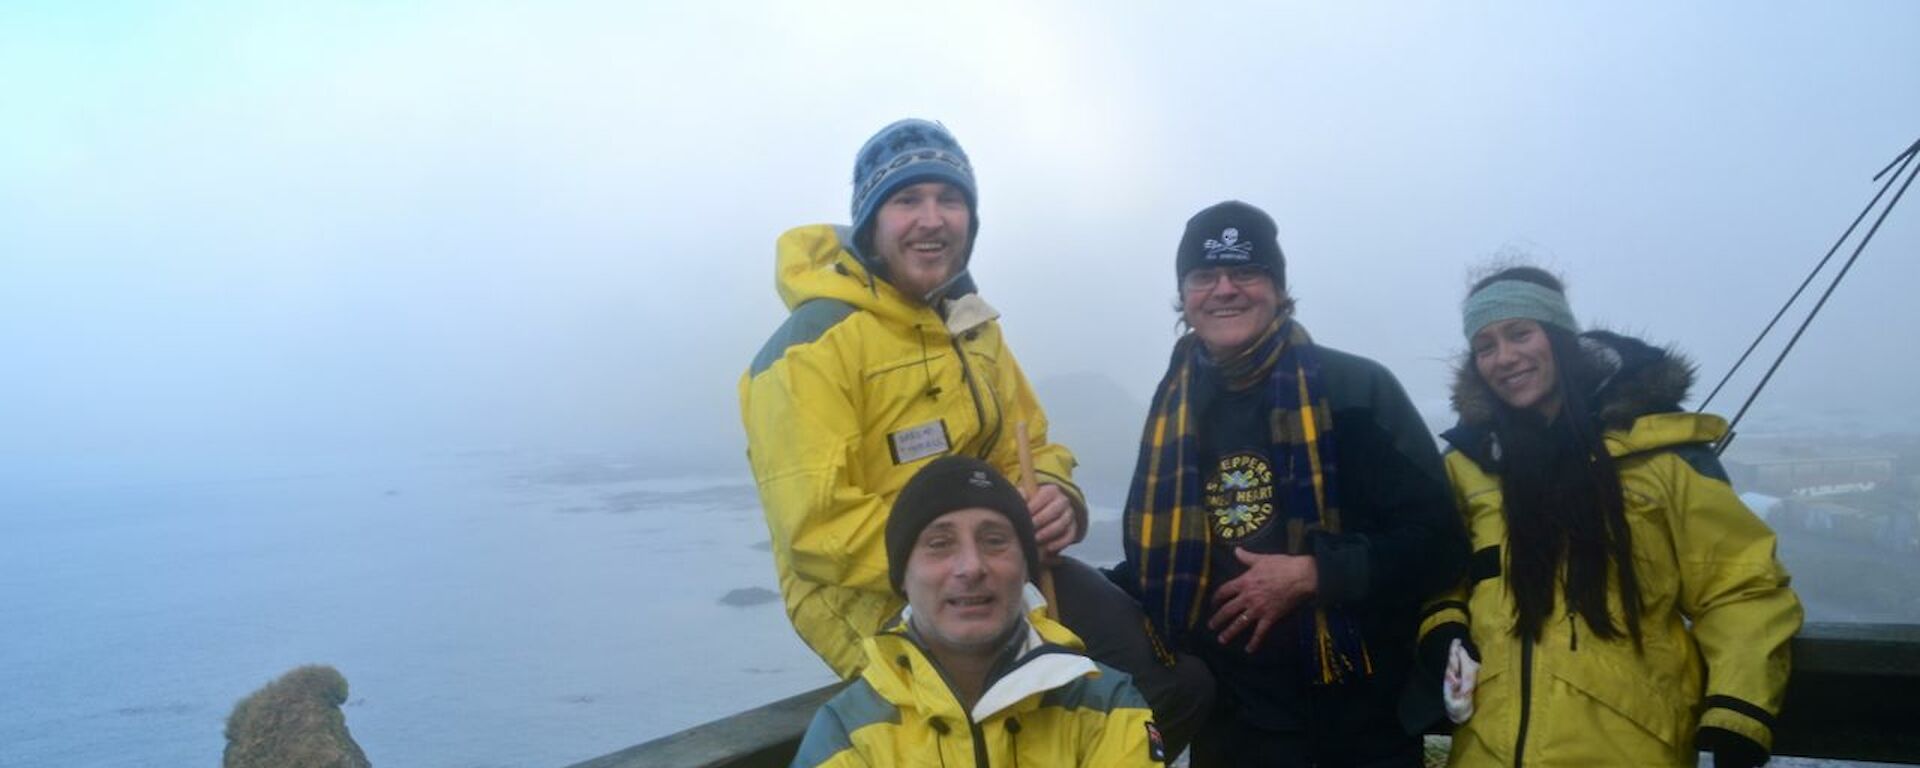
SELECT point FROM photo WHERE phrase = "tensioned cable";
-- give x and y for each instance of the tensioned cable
(1903, 161)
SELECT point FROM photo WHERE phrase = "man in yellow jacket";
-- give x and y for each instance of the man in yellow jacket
(889, 358)
(974, 673)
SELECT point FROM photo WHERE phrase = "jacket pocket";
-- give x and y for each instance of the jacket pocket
(1626, 691)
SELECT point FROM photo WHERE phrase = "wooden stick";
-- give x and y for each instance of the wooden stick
(1030, 485)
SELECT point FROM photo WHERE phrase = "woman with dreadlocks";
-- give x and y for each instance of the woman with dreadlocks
(1627, 608)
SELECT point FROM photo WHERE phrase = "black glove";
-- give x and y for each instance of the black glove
(1421, 703)
(1435, 646)
(1730, 750)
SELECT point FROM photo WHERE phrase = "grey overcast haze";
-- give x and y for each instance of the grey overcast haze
(405, 336)
(239, 231)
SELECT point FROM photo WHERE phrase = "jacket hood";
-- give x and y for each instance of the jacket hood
(1629, 379)
(818, 261)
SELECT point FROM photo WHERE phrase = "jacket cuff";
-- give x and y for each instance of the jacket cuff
(1440, 613)
(1738, 717)
(1730, 750)
(1343, 561)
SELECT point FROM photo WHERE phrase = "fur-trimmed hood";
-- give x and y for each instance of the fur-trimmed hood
(1634, 378)
(1629, 378)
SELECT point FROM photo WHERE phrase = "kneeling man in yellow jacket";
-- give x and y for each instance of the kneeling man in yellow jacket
(973, 673)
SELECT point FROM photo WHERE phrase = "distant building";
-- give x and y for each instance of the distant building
(1805, 470)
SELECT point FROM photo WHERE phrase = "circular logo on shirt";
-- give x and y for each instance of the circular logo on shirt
(1239, 496)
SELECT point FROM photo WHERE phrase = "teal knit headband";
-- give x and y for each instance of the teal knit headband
(1509, 299)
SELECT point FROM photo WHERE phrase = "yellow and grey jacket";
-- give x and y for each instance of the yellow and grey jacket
(851, 396)
(1700, 556)
(1052, 706)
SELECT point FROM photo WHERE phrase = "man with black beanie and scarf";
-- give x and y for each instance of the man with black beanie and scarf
(1288, 517)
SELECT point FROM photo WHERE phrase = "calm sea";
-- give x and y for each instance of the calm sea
(486, 609)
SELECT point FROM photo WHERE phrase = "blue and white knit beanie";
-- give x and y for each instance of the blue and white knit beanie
(909, 152)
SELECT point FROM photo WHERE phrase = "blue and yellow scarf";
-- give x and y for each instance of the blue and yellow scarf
(1168, 537)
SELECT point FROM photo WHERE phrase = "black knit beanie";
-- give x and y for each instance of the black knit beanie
(1231, 234)
(947, 484)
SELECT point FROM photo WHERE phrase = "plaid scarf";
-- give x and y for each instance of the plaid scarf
(1168, 536)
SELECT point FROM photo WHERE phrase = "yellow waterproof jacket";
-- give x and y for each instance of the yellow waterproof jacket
(851, 396)
(1700, 556)
(1053, 708)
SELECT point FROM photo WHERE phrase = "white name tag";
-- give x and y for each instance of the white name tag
(916, 443)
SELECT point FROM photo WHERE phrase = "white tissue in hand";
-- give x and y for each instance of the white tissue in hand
(1457, 690)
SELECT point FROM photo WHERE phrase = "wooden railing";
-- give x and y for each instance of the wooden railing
(1855, 695)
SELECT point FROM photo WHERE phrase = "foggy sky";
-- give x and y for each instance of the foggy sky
(371, 228)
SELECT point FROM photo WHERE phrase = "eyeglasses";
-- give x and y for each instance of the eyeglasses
(1203, 280)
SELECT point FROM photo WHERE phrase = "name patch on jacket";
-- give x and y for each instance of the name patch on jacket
(916, 443)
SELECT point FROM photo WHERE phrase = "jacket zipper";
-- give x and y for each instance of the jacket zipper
(973, 728)
(973, 388)
(1526, 701)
